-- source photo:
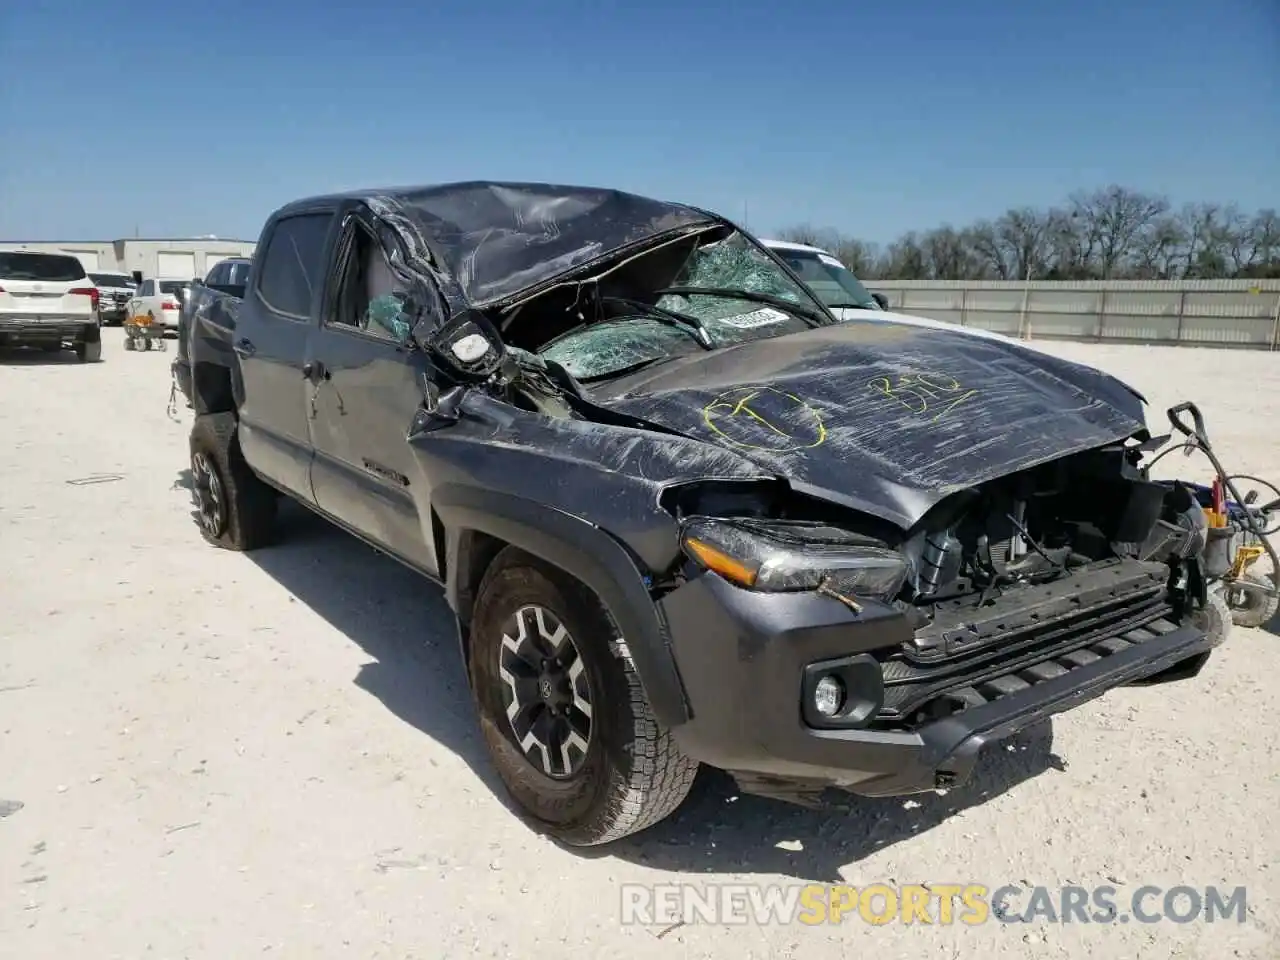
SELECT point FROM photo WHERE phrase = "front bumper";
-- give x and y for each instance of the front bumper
(742, 658)
(43, 328)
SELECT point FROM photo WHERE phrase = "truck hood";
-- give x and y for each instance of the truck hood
(884, 416)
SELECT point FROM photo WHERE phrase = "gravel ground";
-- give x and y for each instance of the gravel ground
(205, 754)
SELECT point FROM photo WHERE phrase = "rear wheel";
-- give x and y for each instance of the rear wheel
(235, 510)
(564, 716)
(89, 351)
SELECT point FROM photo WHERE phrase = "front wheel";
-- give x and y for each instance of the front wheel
(562, 710)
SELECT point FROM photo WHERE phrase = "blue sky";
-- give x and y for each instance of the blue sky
(871, 117)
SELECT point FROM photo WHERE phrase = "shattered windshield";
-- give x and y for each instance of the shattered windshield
(642, 336)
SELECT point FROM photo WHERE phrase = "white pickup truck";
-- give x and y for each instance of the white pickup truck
(844, 294)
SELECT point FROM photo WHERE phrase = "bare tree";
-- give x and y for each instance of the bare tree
(862, 258)
(1110, 233)
(947, 254)
(1116, 219)
(1161, 249)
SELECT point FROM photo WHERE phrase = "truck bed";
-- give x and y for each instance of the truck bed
(205, 328)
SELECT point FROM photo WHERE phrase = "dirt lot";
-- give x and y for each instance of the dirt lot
(205, 754)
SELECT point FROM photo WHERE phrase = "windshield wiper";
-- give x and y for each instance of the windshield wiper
(672, 318)
(813, 318)
(853, 306)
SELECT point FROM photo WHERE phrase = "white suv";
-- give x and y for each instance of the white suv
(47, 301)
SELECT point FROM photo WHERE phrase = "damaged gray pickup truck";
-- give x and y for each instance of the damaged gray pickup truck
(682, 514)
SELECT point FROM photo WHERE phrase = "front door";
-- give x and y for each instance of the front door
(365, 386)
(270, 339)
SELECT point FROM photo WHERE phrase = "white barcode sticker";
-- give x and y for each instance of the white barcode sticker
(756, 318)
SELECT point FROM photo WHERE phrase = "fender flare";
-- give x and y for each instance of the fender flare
(581, 550)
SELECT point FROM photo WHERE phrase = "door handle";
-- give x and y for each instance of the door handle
(244, 346)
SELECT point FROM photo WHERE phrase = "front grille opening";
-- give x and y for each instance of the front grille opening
(916, 702)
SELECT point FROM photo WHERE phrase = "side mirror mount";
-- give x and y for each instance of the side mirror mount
(881, 299)
(469, 347)
(439, 407)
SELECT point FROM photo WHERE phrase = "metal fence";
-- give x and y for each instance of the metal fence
(1204, 313)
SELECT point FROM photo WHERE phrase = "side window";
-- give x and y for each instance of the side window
(293, 265)
(216, 274)
(371, 297)
(148, 288)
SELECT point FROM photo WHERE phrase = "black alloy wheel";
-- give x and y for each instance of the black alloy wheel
(209, 496)
(548, 695)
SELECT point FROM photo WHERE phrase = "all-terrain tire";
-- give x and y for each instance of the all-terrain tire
(1250, 609)
(245, 506)
(632, 774)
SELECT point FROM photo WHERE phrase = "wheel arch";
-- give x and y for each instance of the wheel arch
(212, 388)
(475, 525)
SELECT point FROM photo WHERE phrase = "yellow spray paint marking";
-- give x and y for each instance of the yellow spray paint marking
(927, 395)
(762, 418)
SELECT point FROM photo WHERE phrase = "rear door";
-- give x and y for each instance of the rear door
(365, 388)
(270, 341)
(44, 287)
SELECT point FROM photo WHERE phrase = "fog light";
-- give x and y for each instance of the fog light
(828, 696)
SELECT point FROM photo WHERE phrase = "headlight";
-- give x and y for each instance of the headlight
(779, 556)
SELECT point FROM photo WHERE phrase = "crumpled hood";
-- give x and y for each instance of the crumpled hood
(886, 417)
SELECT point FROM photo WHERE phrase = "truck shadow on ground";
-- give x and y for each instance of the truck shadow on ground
(719, 830)
(404, 624)
(28, 357)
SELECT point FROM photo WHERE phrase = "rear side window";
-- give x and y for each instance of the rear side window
(47, 267)
(237, 273)
(293, 264)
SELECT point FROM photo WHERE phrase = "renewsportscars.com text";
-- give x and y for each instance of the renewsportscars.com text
(941, 903)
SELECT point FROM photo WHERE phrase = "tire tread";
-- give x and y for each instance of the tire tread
(655, 777)
(250, 503)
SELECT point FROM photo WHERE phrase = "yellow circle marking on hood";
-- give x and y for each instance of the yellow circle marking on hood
(762, 418)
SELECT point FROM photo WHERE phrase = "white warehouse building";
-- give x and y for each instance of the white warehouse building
(173, 259)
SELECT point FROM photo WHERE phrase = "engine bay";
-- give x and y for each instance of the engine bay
(1044, 524)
